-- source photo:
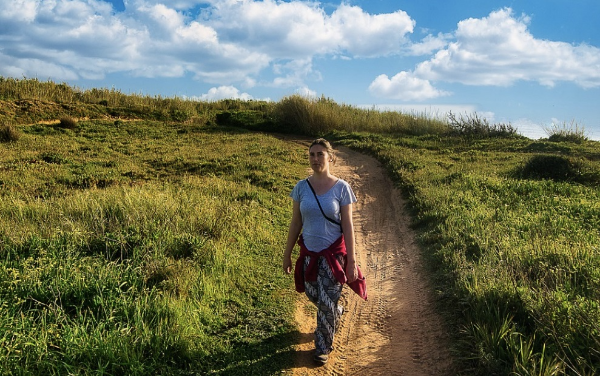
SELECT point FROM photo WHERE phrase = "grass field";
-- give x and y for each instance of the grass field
(144, 248)
(143, 235)
(511, 228)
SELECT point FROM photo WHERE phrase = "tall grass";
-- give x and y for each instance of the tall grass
(319, 116)
(572, 132)
(512, 244)
(32, 101)
(9, 133)
(148, 246)
(144, 248)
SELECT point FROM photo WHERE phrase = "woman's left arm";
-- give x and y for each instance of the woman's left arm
(348, 229)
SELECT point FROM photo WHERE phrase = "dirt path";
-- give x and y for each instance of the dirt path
(397, 331)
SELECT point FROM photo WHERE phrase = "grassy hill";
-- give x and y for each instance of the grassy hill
(143, 235)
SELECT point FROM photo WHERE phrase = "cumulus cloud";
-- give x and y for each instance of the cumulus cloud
(366, 35)
(306, 92)
(218, 41)
(299, 29)
(404, 86)
(499, 50)
(223, 92)
(429, 44)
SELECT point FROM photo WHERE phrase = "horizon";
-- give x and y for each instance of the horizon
(533, 64)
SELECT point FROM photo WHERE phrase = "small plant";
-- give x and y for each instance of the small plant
(478, 127)
(68, 123)
(8, 133)
(53, 158)
(572, 132)
(560, 169)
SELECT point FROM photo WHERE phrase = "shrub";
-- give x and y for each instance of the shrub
(560, 168)
(293, 113)
(68, 123)
(478, 127)
(8, 133)
(563, 132)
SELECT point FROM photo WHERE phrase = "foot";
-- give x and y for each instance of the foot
(321, 359)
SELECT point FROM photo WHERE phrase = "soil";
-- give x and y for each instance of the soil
(397, 331)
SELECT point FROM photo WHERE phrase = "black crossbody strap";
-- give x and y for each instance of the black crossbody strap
(318, 203)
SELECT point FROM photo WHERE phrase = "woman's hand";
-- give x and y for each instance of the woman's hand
(351, 271)
(287, 264)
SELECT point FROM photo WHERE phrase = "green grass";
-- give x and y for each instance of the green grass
(142, 235)
(145, 249)
(512, 245)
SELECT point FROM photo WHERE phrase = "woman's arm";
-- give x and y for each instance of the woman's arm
(293, 233)
(348, 229)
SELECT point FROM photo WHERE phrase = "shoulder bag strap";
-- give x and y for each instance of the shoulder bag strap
(318, 203)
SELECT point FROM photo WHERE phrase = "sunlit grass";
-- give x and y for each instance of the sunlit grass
(515, 254)
(145, 249)
(145, 235)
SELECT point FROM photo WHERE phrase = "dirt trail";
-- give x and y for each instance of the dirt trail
(397, 331)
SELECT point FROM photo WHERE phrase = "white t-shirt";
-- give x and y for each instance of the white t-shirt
(318, 232)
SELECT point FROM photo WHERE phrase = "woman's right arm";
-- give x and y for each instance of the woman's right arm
(293, 233)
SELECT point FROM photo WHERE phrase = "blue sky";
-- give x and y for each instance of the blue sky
(531, 63)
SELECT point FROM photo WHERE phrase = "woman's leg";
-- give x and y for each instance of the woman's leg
(325, 293)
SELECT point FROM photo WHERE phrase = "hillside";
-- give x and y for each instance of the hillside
(507, 229)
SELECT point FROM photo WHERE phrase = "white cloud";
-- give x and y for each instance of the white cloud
(306, 92)
(499, 50)
(223, 92)
(404, 86)
(529, 128)
(229, 41)
(293, 73)
(429, 44)
(12, 67)
(366, 35)
(299, 29)
(17, 11)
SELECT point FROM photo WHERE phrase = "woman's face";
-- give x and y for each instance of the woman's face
(319, 158)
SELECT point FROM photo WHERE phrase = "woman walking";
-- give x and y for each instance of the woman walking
(323, 228)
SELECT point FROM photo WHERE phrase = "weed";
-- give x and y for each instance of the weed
(67, 123)
(564, 132)
(9, 133)
(476, 126)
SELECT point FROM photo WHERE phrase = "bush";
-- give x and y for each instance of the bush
(293, 113)
(569, 133)
(8, 133)
(477, 127)
(560, 169)
(68, 123)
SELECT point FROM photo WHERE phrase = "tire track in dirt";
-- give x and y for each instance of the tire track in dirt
(397, 331)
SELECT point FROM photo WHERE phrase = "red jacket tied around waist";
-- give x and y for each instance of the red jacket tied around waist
(330, 254)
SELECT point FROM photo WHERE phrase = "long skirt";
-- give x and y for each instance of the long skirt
(325, 293)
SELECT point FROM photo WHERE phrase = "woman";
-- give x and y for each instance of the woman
(322, 211)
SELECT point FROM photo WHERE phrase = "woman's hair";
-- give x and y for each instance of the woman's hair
(323, 142)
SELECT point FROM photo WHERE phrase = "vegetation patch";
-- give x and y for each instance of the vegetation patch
(9, 133)
(119, 258)
(560, 169)
(147, 239)
(514, 255)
